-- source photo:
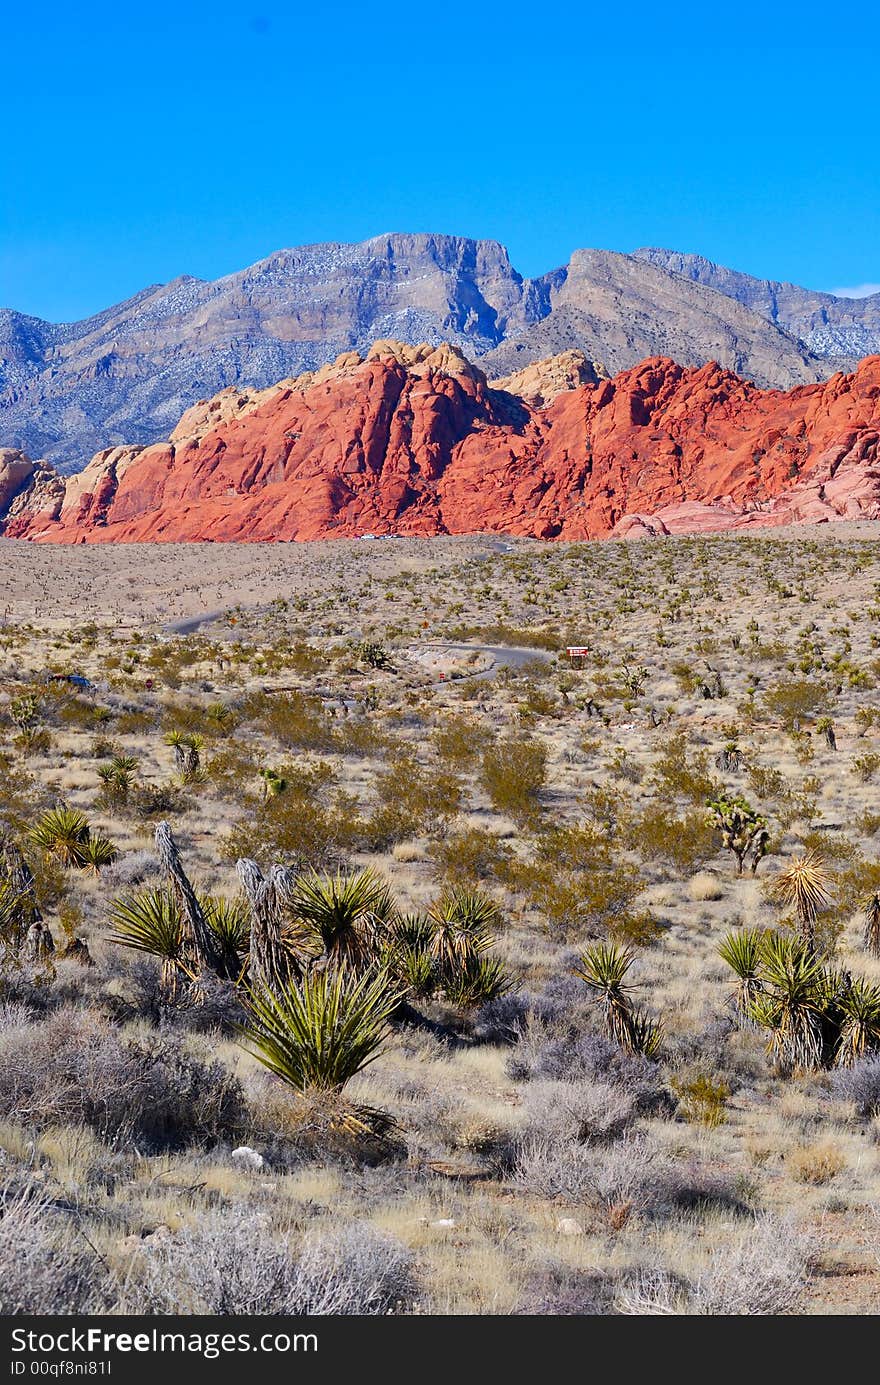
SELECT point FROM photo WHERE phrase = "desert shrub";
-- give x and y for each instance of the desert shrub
(235, 1264)
(49, 1267)
(295, 720)
(704, 887)
(132, 868)
(865, 767)
(74, 1068)
(558, 1290)
(579, 1108)
(702, 1097)
(149, 801)
(762, 1273)
(620, 1178)
(551, 1051)
(310, 823)
(413, 798)
(793, 700)
(768, 783)
(680, 771)
(580, 883)
(513, 772)
(680, 843)
(472, 854)
(860, 1084)
(816, 1164)
(458, 741)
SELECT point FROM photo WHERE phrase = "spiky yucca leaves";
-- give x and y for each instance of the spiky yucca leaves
(645, 1035)
(476, 980)
(62, 833)
(805, 886)
(859, 1004)
(97, 851)
(872, 924)
(187, 747)
(792, 1003)
(229, 921)
(318, 1033)
(13, 927)
(742, 953)
(150, 921)
(405, 951)
(345, 912)
(464, 921)
(604, 968)
(117, 777)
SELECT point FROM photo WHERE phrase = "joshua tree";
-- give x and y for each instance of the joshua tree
(273, 784)
(743, 829)
(25, 713)
(804, 886)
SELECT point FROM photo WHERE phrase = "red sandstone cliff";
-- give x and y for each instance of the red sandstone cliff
(415, 441)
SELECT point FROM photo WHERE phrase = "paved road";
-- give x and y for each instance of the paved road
(502, 655)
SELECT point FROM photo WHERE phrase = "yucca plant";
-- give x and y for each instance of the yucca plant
(13, 926)
(645, 1035)
(117, 777)
(150, 921)
(62, 833)
(463, 922)
(604, 968)
(793, 1003)
(742, 953)
(318, 1033)
(872, 924)
(405, 951)
(345, 912)
(476, 980)
(187, 747)
(805, 886)
(229, 921)
(97, 851)
(859, 1004)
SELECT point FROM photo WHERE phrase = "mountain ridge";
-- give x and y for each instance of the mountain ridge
(126, 374)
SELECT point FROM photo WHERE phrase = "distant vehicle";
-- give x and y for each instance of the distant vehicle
(77, 679)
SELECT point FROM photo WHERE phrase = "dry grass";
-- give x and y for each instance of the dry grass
(574, 797)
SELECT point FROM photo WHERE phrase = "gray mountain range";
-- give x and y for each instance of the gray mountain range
(127, 374)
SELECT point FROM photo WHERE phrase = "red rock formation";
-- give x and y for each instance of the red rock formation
(415, 441)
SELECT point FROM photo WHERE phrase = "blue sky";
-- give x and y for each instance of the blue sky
(196, 138)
